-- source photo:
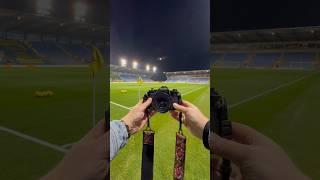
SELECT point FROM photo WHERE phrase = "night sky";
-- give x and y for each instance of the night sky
(231, 15)
(177, 29)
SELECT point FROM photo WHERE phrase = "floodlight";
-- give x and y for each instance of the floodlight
(44, 7)
(135, 65)
(123, 62)
(147, 67)
(80, 11)
(154, 69)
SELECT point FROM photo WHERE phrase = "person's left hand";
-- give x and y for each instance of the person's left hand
(137, 118)
(87, 159)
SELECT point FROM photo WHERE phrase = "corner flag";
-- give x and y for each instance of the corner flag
(140, 81)
(97, 60)
(95, 66)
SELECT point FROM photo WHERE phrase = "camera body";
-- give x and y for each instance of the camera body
(163, 99)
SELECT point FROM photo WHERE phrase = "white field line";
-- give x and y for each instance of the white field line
(33, 139)
(192, 91)
(68, 145)
(122, 106)
(268, 91)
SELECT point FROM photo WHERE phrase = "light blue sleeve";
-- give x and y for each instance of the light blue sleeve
(118, 137)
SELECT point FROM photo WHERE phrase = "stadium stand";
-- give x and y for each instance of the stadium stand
(126, 74)
(197, 76)
(33, 39)
(51, 52)
(17, 52)
(264, 60)
(286, 48)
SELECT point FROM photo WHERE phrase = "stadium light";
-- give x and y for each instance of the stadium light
(135, 65)
(123, 62)
(154, 69)
(80, 11)
(148, 67)
(44, 7)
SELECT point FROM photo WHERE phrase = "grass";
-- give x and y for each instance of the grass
(127, 164)
(289, 115)
(61, 119)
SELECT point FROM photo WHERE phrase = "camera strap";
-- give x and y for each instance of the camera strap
(222, 127)
(180, 152)
(147, 152)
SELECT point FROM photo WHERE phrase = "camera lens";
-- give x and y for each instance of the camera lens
(161, 102)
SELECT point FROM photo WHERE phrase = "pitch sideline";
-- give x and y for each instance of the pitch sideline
(33, 139)
(268, 91)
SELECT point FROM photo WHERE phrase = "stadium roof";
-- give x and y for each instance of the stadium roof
(301, 37)
(268, 35)
(15, 21)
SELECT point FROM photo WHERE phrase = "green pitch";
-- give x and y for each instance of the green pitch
(284, 105)
(286, 109)
(61, 119)
(127, 164)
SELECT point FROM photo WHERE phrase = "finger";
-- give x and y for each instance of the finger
(247, 135)
(180, 108)
(145, 104)
(187, 103)
(175, 115)
(104, 149)
(138, 104)
(97, 131)
(234, 151)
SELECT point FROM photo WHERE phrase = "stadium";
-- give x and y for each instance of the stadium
(126, 91)
(46, 83)
(270, 78)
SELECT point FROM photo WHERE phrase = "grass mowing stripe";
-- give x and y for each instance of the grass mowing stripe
(269, 91)
(33, 139)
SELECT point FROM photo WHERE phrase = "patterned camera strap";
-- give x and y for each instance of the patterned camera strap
(147, 153)
(180, 153)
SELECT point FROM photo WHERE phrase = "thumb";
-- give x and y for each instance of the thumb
(180, 108)
(228, 149)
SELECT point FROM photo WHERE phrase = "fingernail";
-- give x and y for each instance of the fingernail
(175, 104)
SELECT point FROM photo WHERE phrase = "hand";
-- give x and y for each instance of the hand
(87, 159)
(257, 156)
(193, 118)
(137, 117)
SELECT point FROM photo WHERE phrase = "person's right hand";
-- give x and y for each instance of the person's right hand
(137, 118)
(193, 118)
(257, 156)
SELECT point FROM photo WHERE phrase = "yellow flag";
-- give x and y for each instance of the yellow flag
(97, 60)
(140, 81)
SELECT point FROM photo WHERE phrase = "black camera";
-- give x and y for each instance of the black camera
(163, 99)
